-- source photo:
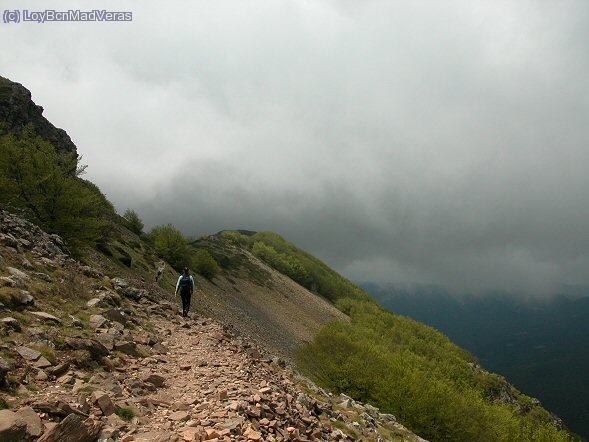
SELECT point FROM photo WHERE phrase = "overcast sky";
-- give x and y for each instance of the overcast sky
(405, 141)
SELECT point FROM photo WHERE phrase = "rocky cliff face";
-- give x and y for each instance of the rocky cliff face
(17, 109)
(87, 354)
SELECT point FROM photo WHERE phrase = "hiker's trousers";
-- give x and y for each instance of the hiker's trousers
(185, 303)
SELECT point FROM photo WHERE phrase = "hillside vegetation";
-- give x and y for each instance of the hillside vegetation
(401, 366)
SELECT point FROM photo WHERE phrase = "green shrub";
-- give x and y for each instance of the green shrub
(133, 222)
(125, 413)
(204, 264)
(414, 372)
(45, 187)
(170, 244)
(234, 237)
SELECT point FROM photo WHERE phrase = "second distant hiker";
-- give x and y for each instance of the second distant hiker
(185, 286)
(160, 270)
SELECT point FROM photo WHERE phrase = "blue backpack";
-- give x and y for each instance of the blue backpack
(185, 285)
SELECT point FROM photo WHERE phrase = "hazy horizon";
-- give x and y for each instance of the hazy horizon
(432, 142)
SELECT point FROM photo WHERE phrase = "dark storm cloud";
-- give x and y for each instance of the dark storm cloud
(402, 141)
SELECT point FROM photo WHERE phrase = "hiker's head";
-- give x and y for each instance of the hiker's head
(186, 270)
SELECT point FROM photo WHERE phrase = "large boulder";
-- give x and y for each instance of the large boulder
(73, 429)
(95, 348)
(12, 427)
(98, 321)
(28, 353)
(22, 299)
(34, 426)
(11, 323)
(46, 317)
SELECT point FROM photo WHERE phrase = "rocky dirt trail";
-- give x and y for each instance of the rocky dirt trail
(201, 383)
(130, 368)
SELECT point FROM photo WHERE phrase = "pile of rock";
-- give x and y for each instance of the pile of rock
(23, 236)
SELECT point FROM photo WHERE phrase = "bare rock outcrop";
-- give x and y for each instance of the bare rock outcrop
(17, 110)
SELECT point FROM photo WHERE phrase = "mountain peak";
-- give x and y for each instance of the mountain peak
(17, 110)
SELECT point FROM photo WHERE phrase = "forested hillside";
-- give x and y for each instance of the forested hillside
(540, 345)
(402, 366)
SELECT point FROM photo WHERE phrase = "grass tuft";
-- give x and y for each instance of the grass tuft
(125, 413)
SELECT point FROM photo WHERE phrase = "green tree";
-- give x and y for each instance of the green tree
(171, 245)
(134, 223)
(204, 264)
(45, 187)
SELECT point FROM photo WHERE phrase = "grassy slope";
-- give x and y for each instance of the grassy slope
(405, 367)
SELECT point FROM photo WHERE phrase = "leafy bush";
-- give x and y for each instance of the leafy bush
(125, 413)
(134, 223)
(414, 372)
(45, 187)
(234, 237)
(170, 244)
(204, 264)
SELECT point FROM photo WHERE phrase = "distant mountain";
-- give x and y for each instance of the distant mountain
(540, 346)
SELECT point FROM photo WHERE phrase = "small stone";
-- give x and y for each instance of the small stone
(221, 395)
(160, 348)
(129, 348)
(252, 434)
(106, 339)
(190, 434)
(60, 369)
(46, 317)
(179, 416)
(12, 323)
(66, 379)
(42, 362)
(95, 302)
(23, 298)
(154, 379)
(18, 273)
(104, 402)
(4, 369)
(98, 321)
(41, 376)
(28, 353)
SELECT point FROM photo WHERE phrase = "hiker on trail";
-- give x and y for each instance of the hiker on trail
(160, 270)
(185, 286)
